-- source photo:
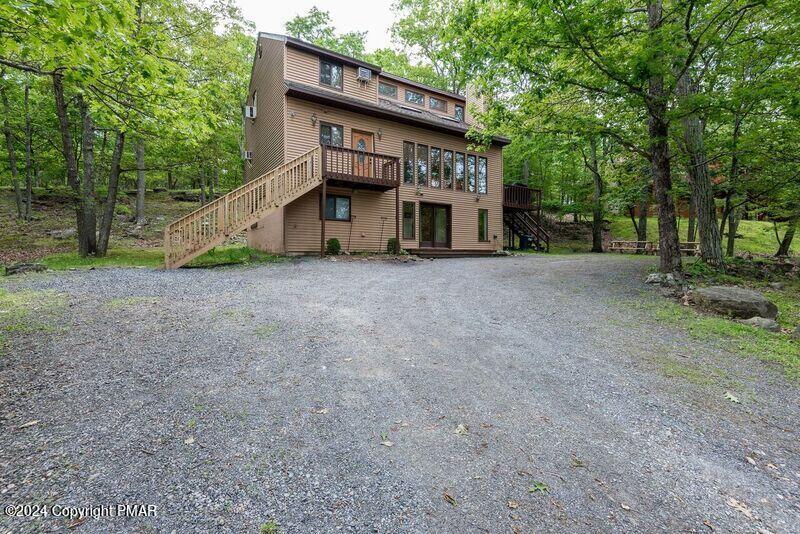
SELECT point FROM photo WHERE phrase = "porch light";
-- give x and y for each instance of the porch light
(314, 119)
(380, 134)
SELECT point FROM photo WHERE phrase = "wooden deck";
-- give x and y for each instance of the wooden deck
(355, 168)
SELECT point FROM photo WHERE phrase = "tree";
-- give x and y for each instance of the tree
(315, 27)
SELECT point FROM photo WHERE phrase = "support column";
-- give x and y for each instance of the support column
(397, 214)
(323, 202)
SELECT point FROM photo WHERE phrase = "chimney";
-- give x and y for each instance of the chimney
(475, 104)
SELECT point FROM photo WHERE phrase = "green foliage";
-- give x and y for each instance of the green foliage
(23, 312)
(122, 209)
(234, 255)
(393, 246)
(332, 246)
(120, 257)
(270, 527)
(315, 27)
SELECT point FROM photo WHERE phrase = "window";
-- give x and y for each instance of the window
(483, 225)
(337, 208)
(408, 162)
(471, 173)
(255, 99)
(436, 166)
(415, 97)
(482, 178)
(331, 134)
(460, 171)
(387, 89)
(408, 220)
(330, 74)
(422, 165)
(437, 104)
(260, 51)
(447, 170)
(459, 113)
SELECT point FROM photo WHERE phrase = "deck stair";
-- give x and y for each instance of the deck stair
(212, 224)
(524, 224)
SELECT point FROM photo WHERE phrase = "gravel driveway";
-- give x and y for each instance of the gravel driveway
(512, 394)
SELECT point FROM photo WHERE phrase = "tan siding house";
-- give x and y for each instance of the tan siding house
(395, 150)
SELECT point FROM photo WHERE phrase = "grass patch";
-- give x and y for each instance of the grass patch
(758, 237)
(25, 312)
(126, 302)
(265, 331)
(234, 255)
(119, 257)
(696, 374)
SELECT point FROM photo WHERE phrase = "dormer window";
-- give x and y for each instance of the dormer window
(459, 113)
(387, 89)
(415, 98)
(438, 104)
(330, 74)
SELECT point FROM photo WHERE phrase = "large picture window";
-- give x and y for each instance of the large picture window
(330, 74)
(408, 162)
(447, 169)
(471, 173)
(408, 220)
(483, 225)
(422, 165)
(482, 176)
(331, 134)
(415, 97)
(460, 171)
(436, 166)
(337, 208)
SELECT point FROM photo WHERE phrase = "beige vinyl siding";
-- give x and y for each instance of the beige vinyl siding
(302, 224)
(264, 135)
(303, 67)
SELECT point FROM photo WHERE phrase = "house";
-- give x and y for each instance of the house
(338, 148)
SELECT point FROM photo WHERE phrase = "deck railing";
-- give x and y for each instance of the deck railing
(210, 225)
(521, 197)
(347, 164)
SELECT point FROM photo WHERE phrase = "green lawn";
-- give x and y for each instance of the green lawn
(758, 237)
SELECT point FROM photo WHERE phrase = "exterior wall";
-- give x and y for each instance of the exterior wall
(302, 224)
(303, 67)
(264, 135)
(268, 235)
(401, 98)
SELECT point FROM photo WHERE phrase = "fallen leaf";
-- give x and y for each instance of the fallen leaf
(772, 466)
(515, 529)
(576, 463)
(731, 397)
(387, 443)
(320, 411)
(750, 460)
(538, 487)
(189, 440)
(707, 523)
(625, 507)
(78, 521)
(449, 498)
(348, 359)
(740, 506)
(513, 505)
(486, 425)
(29, 423)
(461, 429)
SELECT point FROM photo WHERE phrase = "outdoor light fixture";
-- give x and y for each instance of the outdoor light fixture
(380, 134)
(314, 119)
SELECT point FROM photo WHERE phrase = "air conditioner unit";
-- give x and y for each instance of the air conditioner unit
(248, 155)
(250, 112)
(364, 74)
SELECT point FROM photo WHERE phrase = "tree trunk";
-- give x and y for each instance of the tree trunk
(786, 242)
(88, 237)
(215, 184)
(690, 232)
(28, 154)
(202, 188)
(66, 147)
(170, 181)
(644, 208)
(658, 127)
(140, 183)
(111, 199)
(733, 227)
(700, 181)
(597, 198)
(12, 159)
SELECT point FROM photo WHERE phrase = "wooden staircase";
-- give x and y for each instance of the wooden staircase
(524, 224)
(211, 225)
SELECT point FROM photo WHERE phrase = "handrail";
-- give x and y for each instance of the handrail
(356, 165)
(211, 224)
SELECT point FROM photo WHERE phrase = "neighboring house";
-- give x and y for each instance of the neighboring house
(387, 154)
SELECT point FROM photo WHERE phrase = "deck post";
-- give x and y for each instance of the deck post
(323, 202)
(397, 214)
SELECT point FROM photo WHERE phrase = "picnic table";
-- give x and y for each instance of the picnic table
(691, 248)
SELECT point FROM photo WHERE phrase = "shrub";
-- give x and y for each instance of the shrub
(332, 246)
(393, 246)
(123, 209)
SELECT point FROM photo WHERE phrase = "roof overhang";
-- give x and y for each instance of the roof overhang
(320, 96)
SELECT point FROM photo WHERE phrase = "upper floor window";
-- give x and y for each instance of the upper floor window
(387, 89)
(422, 165)
(471, 173)
(408, 162)
(460, 171)
(459, 113)
(447, 169)
(330, 73)
(331, 134)
(482, 176)
(437, 104)
(415, 97)
(255, 99)
(436, 166)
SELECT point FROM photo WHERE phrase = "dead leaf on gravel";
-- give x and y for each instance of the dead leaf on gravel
(750, 460)
(486, 425)
(28, 424)
(740, 506)
(461, 429)
(707, 523)
(577, 463)
(515, 529)
(387, 443)
(189, 440)
(78, 521)
(731, 397)
(449, 498)
(625, 507)
(319, 411)
(348, 359)
(513, 505)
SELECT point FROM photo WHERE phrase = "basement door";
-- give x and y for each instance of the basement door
(434, 225)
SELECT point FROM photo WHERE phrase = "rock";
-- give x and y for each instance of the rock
(762, 322)
(63, 234)
(777, 285)
(22, 268)
(735, 302)
(666, 280)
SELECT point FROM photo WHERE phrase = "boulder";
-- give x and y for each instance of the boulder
(22, 268)
(763, 322)
(665, 280)
(735, 302)
(63, 234)
(777, 285)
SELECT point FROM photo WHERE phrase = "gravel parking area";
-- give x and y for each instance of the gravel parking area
(511, 394)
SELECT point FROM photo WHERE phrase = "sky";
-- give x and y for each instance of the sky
(346, 15)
